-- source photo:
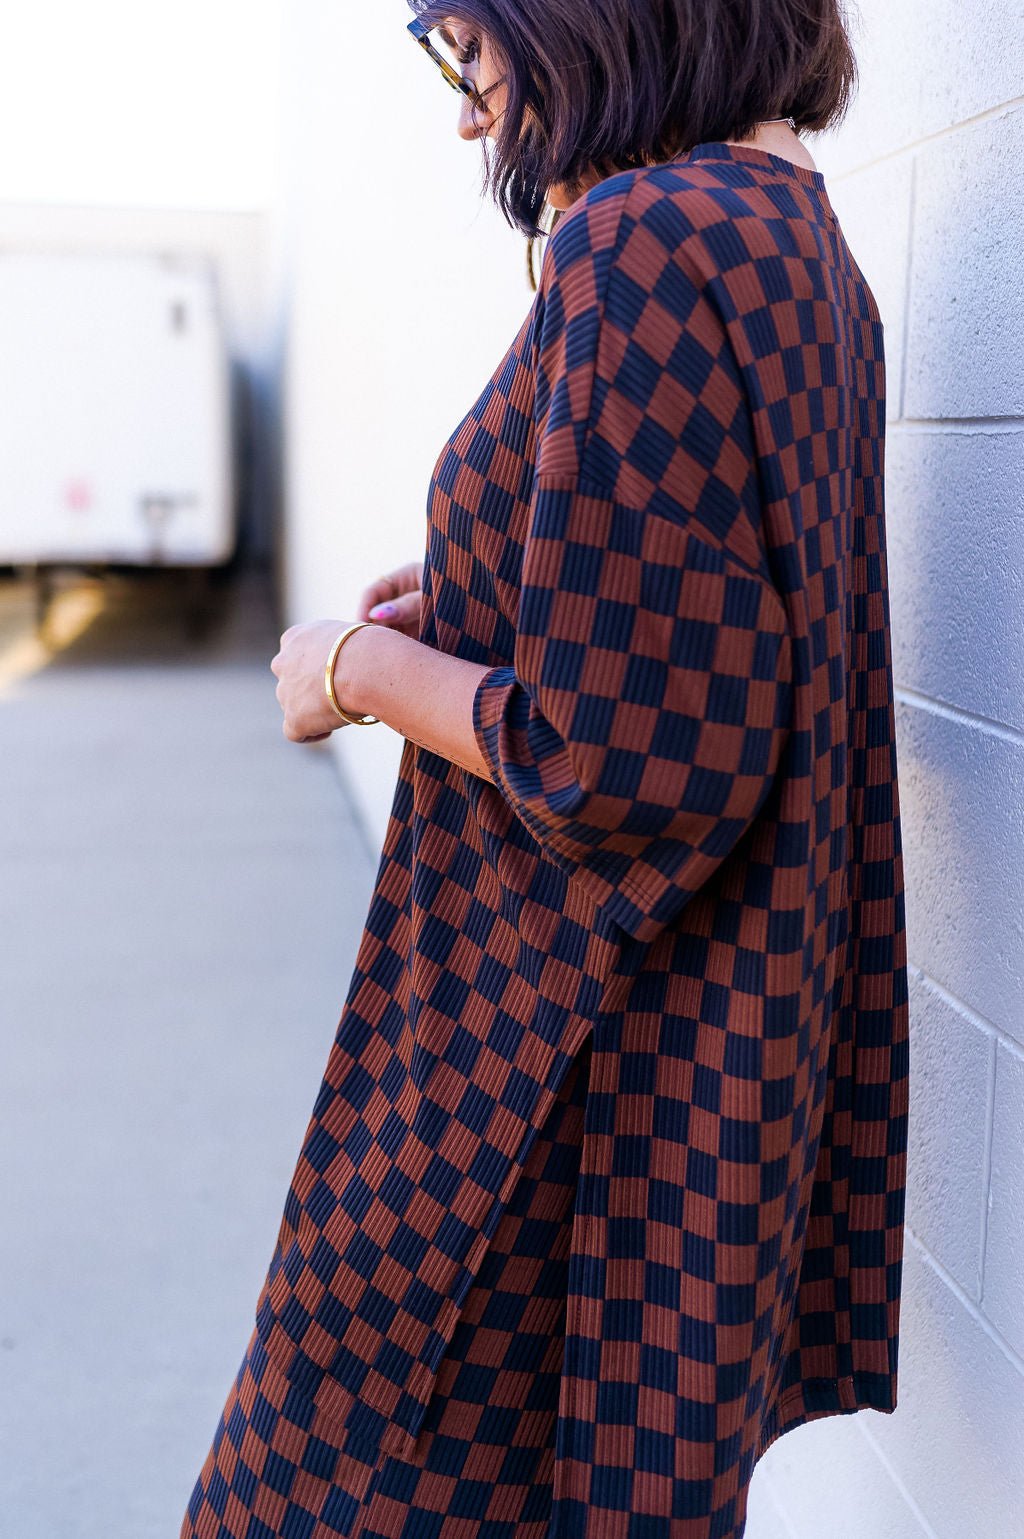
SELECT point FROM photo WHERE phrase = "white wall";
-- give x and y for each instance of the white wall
(926, 179)
(403, 289)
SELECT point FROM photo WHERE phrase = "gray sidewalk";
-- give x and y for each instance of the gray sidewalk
(182, 895)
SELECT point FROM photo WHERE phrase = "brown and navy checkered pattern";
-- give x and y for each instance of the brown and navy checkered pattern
(512, 1299)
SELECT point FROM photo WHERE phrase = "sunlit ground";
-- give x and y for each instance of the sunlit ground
(26, 649)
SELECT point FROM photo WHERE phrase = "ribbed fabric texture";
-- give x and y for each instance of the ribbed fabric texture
(679, 897)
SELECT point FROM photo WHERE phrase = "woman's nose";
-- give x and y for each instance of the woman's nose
(474, 119)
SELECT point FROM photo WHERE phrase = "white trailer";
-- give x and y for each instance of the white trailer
(115, 412)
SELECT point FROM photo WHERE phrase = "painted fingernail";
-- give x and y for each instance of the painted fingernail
(381, 610)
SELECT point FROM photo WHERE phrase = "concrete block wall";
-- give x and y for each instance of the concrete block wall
(926, 178)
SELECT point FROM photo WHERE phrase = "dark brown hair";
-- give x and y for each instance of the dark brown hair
(613, 84)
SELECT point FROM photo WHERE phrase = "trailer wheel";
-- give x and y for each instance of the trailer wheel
(198, 608)
(43, 579)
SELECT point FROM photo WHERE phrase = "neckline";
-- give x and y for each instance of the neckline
(720, 149)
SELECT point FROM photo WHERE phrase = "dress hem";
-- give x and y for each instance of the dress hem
(814, 1398)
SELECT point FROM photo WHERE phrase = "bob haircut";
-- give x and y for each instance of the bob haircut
(613, 84)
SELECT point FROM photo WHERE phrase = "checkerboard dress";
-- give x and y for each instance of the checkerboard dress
(603, 1189)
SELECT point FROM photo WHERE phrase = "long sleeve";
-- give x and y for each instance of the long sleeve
(638, 730)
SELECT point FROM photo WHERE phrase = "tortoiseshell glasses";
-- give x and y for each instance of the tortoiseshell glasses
(421, 33)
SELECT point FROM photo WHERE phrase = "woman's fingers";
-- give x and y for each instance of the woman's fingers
(391, 586)
(402, 614)
(394, 599)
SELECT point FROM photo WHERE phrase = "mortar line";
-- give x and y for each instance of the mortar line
(986, 1167)
(869, 1436)
(776, 1500)
(970, 1305)
(908, 286)
(968, 1011)
(975, 426)
(927, 1530)
(991, 114)
(960, 715)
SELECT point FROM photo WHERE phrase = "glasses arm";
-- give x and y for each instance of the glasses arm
(420, 32)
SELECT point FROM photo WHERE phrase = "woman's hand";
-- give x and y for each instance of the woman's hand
(423, 694)
(394, 600)
(299, 665)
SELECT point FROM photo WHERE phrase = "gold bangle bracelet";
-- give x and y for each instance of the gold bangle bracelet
(355, 721)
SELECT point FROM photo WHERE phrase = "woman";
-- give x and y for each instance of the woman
(603, 1189)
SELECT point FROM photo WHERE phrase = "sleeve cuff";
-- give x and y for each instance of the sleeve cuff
(488, 709)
